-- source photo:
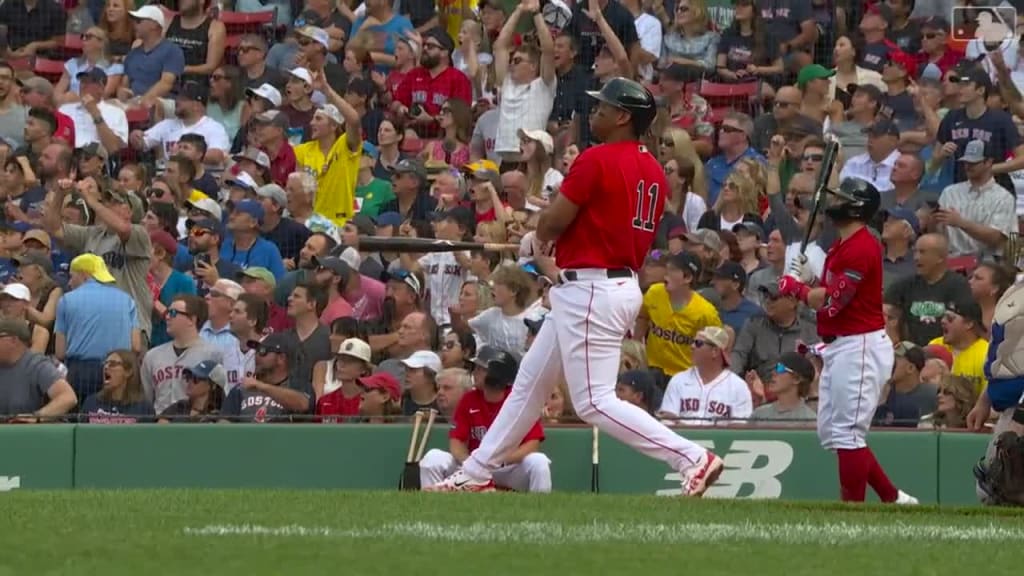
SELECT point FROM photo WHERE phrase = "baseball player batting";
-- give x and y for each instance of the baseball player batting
(603, 223)
(858, 356)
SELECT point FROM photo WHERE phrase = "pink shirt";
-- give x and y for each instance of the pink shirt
(337, 309)
(370, 304)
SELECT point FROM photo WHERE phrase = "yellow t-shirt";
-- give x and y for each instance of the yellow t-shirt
(336, 177)
(969, 363)
(671, 333)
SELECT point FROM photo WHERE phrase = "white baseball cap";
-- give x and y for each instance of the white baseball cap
(150, 12)
(253, 154)
(332, 112)
(18, 292)
(539, 136)
(351, 257)
(355, 348)
(265, 91)
(208, 205)
(424, 359)
(229, 288)
(315, 34)
(302, 74)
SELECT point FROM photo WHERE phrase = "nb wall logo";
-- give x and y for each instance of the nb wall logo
(990, 24)
(752, 468)
(8, 483)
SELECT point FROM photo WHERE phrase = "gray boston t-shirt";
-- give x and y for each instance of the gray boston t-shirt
(24, 385)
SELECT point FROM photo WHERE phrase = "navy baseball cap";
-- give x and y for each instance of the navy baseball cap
(686, 261)
(252, 208)
(905, 214)
(94, 74)
(533, 325)
(732, 271)
(209, 370)
(641, 380)
(277, 342)
(883, 128)
(389, 219)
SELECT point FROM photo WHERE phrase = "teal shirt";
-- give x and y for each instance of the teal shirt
(177, 283)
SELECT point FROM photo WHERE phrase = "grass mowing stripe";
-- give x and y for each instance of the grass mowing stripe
(552, 533)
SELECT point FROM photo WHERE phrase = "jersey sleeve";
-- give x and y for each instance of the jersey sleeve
(583, 177)
(742, 404)
(670, 403)
(460, 420)
(536, 433)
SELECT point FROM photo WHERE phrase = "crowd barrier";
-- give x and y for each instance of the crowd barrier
(933, 466)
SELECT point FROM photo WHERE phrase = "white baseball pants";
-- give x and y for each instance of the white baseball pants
(533, 474)
(854, 370)
(582, 338)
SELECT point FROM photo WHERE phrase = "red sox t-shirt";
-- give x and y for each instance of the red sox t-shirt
(473, 417)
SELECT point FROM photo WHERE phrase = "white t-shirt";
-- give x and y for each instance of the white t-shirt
(85, 129)
(444, 278)
(725, 398)
(815, 257)
(166, 134)
(648, 30)
(695, 208)
(552, 182)
(493, 328)
(525, 106)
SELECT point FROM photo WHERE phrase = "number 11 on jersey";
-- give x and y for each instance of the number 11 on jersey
(646, 203)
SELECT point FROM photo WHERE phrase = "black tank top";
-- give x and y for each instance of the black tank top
(192, 41)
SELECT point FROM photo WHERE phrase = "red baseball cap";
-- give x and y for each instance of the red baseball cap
(382, 381)
(941, 352)
(905, 61)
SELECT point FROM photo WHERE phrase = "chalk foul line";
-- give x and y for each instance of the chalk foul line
(554, 533)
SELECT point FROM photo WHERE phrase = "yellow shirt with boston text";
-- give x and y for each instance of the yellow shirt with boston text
(335, 175)
(671, 332)
(970, 362)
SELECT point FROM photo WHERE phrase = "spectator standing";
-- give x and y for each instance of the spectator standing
(204, 386)
(672, 314)
(298, 106)
(244, 246)
(121, 400)
(387, 26)
(269, 395)
(201, 37)
(978, 214)
(899, 229)
(93, 319)
(426, 88)
(962, 334)
(154, 65)
(163, 366)
(734, 309)
(248, 324)
(937, 56)
(528, 81)
(314, 44)
(791, 26)
(336, 381)
(310, 339)
(35, 388)
(165, 282)
(790, 384)
(287, 234)
(709, 391)
(922, 298)
(764, 339)
(204, 244)
(570, 88)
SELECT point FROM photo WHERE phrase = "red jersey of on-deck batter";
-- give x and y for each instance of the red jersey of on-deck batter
(620, 189)
(473, 417)
(857, 259)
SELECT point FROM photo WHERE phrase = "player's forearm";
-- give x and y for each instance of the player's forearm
(458, 450)
(524, 450)
(816, 298)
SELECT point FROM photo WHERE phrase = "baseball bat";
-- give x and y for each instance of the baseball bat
(595, 463)
(821, 188)
(410, 479)
(419, 245)
(426, 435)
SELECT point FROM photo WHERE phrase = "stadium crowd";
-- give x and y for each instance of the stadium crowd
(186, 186)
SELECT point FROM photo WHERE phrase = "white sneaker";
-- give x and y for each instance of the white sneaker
(904, 499)
(702, 475)
(461, 482)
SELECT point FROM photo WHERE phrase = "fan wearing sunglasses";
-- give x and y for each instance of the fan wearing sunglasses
(790, 384)
(269, 395)
(707, 393)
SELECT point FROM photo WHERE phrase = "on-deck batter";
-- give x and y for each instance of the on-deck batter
(858, 356)
(603, 221)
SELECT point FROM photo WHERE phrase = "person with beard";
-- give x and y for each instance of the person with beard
(331, 275)
(12, 114)
(200, 37)
(189, 118)
(154, 65)
(317, 247)
(403, 295)
(260, 282)
(249, 324)
(425, 89)
(270, 395)
(204, 240)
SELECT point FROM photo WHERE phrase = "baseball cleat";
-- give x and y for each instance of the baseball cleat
(461, 482)
(904, 499)
(702, 475)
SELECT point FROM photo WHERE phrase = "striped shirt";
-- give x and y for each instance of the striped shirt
(522, 106)
(989, 205)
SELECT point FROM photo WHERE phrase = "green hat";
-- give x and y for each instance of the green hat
(812, 72)
(259, 273)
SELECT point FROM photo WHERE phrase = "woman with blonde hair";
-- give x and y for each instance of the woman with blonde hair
(474, 296)
(634, 356)
(690, 41)
(537, 148)
(737, 203)
(473, 56)
(676, 143)
(956, 398)
(557, 408)
(121, 400)
(94, 55)
(756, 171)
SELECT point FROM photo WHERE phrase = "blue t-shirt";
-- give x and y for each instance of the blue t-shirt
(262, 253)
(95, 319)
(177, 283)
(144, 69)
(7, 271)
(735, 319)
(718, 169)
(385, 33)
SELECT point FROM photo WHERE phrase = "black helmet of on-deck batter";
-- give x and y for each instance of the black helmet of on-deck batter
(857, 200)
(501, 366)
(630, 96)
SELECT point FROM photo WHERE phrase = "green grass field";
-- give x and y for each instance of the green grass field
(150, 533)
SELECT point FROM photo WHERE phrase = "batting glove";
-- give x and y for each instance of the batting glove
(790, 286)
(798, 268)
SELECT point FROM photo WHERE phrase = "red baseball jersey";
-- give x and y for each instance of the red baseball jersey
(620, 189)
(853, 280)
(474, 415)
(334, 404)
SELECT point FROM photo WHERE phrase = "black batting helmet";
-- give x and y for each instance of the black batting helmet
(857, 200)
(630, 96)
(501, 366)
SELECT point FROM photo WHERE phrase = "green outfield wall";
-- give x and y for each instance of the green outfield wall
(935, 467)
